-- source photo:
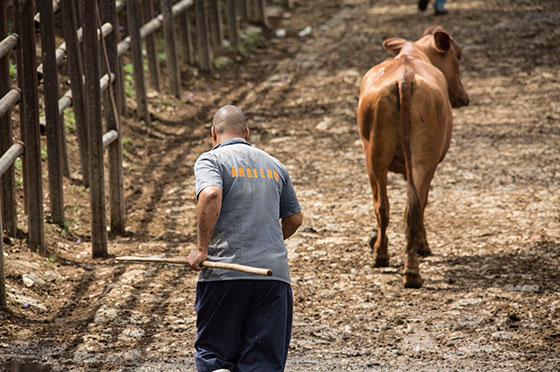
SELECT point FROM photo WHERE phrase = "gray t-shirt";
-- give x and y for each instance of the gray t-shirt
(256, 193)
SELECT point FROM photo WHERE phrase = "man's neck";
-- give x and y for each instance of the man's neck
(223, 139)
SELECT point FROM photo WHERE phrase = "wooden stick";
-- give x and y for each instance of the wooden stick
(217, 265)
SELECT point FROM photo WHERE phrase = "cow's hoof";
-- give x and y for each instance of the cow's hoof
(412, 280)
(381, 261)
(424, 250)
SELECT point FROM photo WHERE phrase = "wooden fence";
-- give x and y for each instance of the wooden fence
(92, 50)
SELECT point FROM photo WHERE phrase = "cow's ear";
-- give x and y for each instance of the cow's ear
(442, 41)
(393, 45)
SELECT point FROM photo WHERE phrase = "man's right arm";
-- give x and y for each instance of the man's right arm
(291, 223)
(208, 210)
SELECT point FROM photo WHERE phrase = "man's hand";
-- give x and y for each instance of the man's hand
(196, 257)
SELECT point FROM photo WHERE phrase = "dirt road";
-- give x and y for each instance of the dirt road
(490, 301)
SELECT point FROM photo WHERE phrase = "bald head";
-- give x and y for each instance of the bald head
(229, 121)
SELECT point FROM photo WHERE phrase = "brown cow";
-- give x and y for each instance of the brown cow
(405, 121)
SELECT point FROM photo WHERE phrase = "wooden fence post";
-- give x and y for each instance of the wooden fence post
(3, 303)
(132, 12)
(233, 25)
(260, 6)
(243, 8)
(202, 34)
(7, 184)
(119, 92)
(95, 132)
(151, 46)
(75, 67)
(6, 161)
(19, 68)
(185, 36)
(6, 181)
(215, 22)
(79, 12)
(120, 76)
(52, 116)
(65, 159)
(170, 48)
(112, 118)
(32, 136)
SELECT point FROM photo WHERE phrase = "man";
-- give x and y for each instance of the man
(438, 6)
(246, 208)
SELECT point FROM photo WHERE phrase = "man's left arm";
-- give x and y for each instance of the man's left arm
(291, 217)
(290, 224)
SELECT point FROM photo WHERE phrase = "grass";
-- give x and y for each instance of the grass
(129, 80)
(70, 120)
(13, 70)
(77, 191)
(251, 40)
(126, 144)
(126, 141)
(18, 167)
(52, 258)
(221, 61)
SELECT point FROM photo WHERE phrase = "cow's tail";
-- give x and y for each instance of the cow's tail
(413, 208)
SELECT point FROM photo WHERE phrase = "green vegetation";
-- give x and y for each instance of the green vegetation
(69, 120)
(126, 141)
(129, 80)
(13, 70)
(168, 101)
(221, 61)
(160, 41)
(251, 40)
(126, 144)
(18, 167)
(52, 258)
(196, 83)
(128, 68)
(77, 191)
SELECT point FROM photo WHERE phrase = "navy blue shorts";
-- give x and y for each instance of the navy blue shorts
(243, 325)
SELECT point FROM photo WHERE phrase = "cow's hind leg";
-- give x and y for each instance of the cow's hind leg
(411, 273)
(415, 230)
(423, 246)
(379, 241)
(423, 190)
(415, 236)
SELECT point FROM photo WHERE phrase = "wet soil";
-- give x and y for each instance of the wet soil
(490, 300)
